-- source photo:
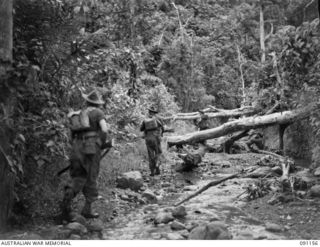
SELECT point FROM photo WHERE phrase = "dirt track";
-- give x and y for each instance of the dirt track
(122, 218)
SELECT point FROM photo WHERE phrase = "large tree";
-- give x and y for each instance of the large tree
(6, 35)
(6, 177)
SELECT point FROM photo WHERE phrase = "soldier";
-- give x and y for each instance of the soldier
(89, 130)
(153, 129)
(203, 124)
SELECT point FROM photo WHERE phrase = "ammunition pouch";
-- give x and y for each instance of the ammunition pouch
(90, 142)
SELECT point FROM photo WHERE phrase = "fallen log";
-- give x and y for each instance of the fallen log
(204, 188)
(285, 117)
(229, 142)
(215, 113)
(191, 160)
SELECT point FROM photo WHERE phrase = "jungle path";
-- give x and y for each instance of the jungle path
(217, 204)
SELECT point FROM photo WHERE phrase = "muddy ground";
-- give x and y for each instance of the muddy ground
(125, 216)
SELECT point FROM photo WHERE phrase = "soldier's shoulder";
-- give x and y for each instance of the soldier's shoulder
(96, 113)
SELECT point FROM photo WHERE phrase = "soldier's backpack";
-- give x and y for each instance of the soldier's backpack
(151, 124)
(79, 120)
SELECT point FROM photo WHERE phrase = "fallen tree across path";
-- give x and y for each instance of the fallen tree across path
(213, 112)
(285, 117)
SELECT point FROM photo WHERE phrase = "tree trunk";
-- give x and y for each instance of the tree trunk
(6, 35)
(286, 117)
(262, 34)
(282, 128)
(6, 175)
(7, 179)
(244, 111)
(241, 76)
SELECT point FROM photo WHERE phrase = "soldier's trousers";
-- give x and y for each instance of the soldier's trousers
(84, 171)
(154, 151)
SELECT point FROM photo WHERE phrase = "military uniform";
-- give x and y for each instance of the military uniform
(153, 142)
(203, 124)
(85, 162)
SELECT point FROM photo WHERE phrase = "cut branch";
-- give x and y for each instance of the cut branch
(285, 117)
(204, 188)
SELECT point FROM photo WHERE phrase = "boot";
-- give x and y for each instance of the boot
(157, 172)
(87, 211)
(151, 170)
(65, 207)
(157, 168)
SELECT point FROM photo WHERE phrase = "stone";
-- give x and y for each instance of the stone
(177, 226)
(55, 232)
(96, 226)
(273, 200)
(150, 196)
(190, 188)
(214, 217)
(142, 201)
(211, 231)
(163, 218)
(191, 226)
(159, 198)
(31, 236)
(62, 234)
(260, 237)
(315, 191)
(174, 236)
(184, 233)
(77, 228)
(317, 172)
(245, 235)
(75, 217)
(271, 227)
(168, 209)
(165, 185)
(95, 236)
(75, 237)
(155, 236)
(171, 190)
(150, 208)
(124, 197)
(130, 180)
(179, 212)
(143, 188)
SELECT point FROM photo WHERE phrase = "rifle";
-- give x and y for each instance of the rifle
(68, 167)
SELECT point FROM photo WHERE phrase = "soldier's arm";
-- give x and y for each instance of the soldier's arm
(104, 126)
(161, 125)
